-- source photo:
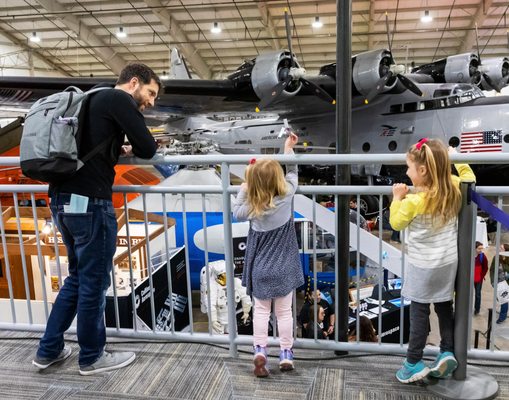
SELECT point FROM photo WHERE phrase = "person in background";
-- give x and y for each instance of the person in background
(272, 267)
(308, 309)
(430, 215)
(480, 270)
(353, 214)
(90, 237)
(321, 333)
(366, 329)
(502, 275)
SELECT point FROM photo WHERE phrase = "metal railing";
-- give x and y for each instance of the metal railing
(38, 259)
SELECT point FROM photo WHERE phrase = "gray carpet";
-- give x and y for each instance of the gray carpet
(193, 371)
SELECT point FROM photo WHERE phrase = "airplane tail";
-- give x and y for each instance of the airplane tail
(178, 66)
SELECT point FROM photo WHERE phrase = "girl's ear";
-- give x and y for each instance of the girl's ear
(422, 170)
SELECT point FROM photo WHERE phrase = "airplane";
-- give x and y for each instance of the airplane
(452, 107)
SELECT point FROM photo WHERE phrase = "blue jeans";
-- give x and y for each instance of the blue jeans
(477, 292)
(503, 312)
(90, 240)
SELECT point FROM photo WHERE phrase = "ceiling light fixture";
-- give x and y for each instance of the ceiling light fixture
(34, 38)
(215, 28)
(121, 33)
(426, 17)
(317, 23)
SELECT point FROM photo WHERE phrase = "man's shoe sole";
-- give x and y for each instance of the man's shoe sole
(55, 361)
(416, 377)
(109, 368)
(260, 370)
(445, 368)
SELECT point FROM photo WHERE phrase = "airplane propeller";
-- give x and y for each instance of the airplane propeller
(481, 72)
(291, 74)
(389, 69)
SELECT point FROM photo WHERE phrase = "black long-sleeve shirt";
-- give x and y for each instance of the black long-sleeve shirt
(111, 115)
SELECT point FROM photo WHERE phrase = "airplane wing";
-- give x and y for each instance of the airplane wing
(273, 81)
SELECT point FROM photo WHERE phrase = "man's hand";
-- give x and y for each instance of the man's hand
(330, 330)
(126, 150)
(399, 191)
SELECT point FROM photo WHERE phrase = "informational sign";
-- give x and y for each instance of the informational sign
(165, 304)
(239, 253)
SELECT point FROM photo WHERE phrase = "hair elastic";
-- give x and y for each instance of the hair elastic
(252, 161)
(420, 143)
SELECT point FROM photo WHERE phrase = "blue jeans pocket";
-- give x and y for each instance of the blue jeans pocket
(79, 225)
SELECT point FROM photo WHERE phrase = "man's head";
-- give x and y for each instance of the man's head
(140, 82)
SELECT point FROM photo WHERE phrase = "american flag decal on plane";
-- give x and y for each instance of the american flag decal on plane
(478, 142)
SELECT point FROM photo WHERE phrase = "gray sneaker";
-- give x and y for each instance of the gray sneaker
(108, 362)
(43, 363)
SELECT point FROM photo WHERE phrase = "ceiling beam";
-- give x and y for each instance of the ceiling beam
(84, 33)
(267, 21)
(480, 15)
(371, 23)
(178, 34)
(15, 41)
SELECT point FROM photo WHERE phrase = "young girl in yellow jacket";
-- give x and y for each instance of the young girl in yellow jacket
(430, 216)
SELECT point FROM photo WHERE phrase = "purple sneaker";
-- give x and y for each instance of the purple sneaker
(286, 360)
(260, 362)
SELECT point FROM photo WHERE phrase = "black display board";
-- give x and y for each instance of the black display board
(162, 300)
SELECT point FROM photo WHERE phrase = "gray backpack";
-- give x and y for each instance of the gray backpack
(50, 140)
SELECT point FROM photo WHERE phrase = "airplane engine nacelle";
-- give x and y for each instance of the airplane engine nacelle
(369, 67)
(461, 68)
(496, 69)
(270, 69)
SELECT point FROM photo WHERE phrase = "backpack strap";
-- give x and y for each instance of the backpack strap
(96, 149)
(102, 145)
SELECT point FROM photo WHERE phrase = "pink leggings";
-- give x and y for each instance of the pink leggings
(283, 310)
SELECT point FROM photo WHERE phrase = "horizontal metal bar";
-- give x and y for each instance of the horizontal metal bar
(340, 159)
(248, 341)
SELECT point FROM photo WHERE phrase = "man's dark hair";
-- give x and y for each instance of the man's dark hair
(140, 71)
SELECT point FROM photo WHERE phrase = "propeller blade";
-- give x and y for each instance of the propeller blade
(318, 91)
(289, 36)
(388, 32)
(409, 84)
(276, 91)
(490, 83)
(378, 88)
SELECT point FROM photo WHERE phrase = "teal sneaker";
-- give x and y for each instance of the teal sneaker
(412, 372)
(444, 365)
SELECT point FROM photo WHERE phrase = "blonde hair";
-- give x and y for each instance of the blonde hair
(265, 180)
(443, 196)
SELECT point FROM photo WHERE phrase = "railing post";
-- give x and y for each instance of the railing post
(343, 130)
(467, 383)
(228, 258)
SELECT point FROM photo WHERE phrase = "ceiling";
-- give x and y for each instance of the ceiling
(78, 36)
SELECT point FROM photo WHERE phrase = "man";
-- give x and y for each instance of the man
(90, 233)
